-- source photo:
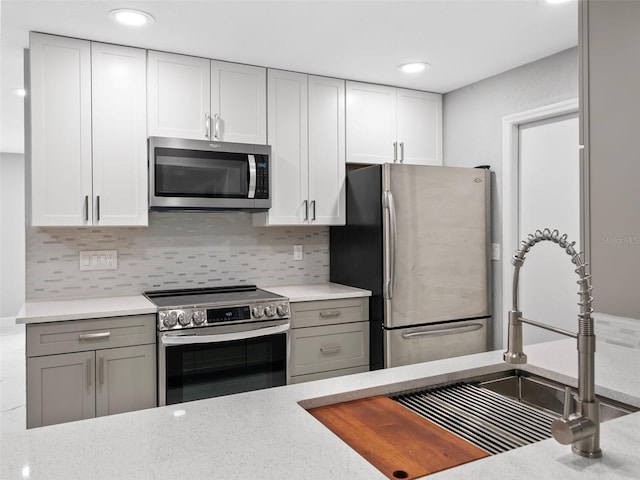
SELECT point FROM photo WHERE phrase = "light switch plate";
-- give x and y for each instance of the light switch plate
(297, 252)
(99, 260)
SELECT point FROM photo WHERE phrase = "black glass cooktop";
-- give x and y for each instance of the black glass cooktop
(239, 294)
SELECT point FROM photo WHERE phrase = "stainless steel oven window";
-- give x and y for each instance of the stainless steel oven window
(214, 361)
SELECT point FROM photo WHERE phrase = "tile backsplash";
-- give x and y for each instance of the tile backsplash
(176, 250)
(621, 331)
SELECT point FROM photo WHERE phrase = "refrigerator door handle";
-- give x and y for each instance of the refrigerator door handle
(443, 331)
(390, 284)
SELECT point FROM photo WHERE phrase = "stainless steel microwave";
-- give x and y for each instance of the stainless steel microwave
(208, 175)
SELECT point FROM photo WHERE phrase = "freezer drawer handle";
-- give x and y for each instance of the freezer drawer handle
(330, 313)
(331, 349)
(443, 331)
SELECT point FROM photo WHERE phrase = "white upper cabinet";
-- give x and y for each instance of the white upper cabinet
(288, 137)
(60, 100)
(238, 103)
(88, 134)
(419, 126)
(198, 98)
(326, 151)
(119, 104)
(306, 134)
(371, 123)
(179, 95)
(387, 124)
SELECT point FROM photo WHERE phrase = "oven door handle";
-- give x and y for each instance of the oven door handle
(223, 337)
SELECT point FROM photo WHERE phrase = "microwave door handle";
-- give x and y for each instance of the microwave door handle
(252, 176)
(223, 337)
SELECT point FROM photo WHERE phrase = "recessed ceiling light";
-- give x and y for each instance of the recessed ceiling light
(414, 67)
(131, 18)
(21, 92)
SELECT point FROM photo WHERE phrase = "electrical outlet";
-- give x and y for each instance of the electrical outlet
(99, 260)
(297, 252)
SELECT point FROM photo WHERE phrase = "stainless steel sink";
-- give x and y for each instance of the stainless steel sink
(499, 412)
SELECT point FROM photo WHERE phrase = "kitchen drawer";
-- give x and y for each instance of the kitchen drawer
(329, 312)
(332, 347)
(83, 335)
(328, 374)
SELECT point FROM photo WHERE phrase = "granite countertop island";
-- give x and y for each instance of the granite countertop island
(268, 434)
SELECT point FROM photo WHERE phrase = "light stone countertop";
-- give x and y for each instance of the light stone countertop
(41, 311)
(58, 310)
(306, 292)
(266, 434)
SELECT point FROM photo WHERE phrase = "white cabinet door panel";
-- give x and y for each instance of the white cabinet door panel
(239, 98)
(287, 120)
(179, 95)
(371, 123)
(60, 96)
(419, 127)
(119, 135)
(327, 150)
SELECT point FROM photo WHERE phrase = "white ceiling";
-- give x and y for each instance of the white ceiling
(464, 40)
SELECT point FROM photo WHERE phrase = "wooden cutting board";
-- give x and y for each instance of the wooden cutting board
(398, 442)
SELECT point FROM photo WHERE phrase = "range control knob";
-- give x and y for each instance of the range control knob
(170, 319)
(283, 310)
(183, 319)
(198, 317)
(269, 311)
(257, 312)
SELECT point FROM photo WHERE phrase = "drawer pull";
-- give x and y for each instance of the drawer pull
(332, 349)
(330, 313)
(94, 336)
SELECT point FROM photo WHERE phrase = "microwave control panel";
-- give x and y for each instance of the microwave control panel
(262, 177)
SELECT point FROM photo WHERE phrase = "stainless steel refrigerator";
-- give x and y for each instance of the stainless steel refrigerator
(418, 237)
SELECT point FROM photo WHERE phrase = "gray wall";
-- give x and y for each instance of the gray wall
(613, 125)
(473, 130)
(12, 250)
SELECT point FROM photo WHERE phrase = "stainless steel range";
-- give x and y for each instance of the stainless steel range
(218, 341)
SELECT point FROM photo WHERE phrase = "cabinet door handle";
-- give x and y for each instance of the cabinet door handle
(306, 210)
(101, 370)
(401, 152)
(94, 336)
(207, 125)
(331, 349)
(216, 126)
(395, 152)
(313, 210)
(98, 207)
(330, 313)
(86, 208)
(88, 374)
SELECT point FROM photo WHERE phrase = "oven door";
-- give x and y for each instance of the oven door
(213, 361)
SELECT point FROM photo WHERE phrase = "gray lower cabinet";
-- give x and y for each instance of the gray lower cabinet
(329, 338)
(114, 372)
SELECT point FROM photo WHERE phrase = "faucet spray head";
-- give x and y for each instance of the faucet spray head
(515, 353)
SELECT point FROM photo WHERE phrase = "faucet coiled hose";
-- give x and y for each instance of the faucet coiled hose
(585, 321)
